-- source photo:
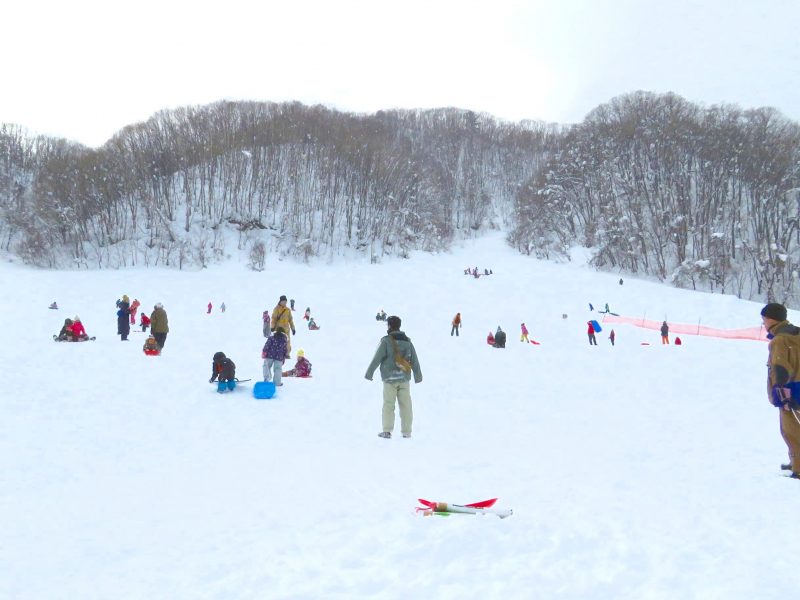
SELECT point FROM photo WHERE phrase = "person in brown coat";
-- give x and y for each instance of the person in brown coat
(783, 379)
(159, 325)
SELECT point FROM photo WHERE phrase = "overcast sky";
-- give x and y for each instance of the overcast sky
(86, 68)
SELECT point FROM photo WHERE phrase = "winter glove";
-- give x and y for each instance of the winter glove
(367, 377)
(211, 380)
(294, 332)
(263, 355)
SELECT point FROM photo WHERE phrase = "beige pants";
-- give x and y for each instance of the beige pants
(400, 392)
(790, 430)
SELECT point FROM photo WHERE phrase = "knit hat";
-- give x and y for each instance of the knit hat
(300, 352)
(775, 311)
(76, 318)
(283, 299)
(125, 298)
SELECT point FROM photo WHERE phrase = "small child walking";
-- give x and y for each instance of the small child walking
(274, 353)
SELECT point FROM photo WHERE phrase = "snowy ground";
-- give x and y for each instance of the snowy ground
(634, 471)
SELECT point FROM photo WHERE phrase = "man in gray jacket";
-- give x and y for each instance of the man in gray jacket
(397, 359)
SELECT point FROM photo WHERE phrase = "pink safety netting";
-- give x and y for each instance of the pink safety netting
(748, 333)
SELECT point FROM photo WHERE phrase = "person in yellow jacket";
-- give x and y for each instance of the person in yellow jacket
(282, 317)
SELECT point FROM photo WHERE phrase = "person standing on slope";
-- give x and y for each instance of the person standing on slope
(455, 325)
(524, 334)
(282, 317)
(783, 378)
(123, 312)
(159, 325)
(397, 359)
(590, 333)
(664, 333)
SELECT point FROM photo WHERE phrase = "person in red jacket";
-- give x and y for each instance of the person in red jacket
(490, 339)
(78, 331)
(590, 332)
(145, 322)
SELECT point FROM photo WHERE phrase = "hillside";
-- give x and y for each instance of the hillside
(634, 471)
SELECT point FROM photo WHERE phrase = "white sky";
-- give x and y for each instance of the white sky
(85, 69)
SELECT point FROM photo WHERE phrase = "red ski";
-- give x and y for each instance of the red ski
(475, 508)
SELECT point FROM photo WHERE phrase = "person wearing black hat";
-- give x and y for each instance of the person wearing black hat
(783, 378)
(282, 317)
(397, 359)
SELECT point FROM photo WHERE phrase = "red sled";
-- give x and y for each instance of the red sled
(152, 352)
(535, 343)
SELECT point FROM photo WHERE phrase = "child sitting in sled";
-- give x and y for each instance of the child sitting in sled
(150, 347)
(302, 368)
(78, 332)
(312, 324)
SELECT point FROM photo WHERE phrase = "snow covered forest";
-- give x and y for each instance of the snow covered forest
(703, 197)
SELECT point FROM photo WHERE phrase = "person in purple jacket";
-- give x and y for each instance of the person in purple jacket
(274, 353)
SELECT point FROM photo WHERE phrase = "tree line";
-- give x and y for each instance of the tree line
(706, 198)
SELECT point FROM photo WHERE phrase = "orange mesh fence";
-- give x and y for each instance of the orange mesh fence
(748, 333)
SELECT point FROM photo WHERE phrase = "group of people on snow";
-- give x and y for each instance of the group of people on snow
(474, 272)
(72, 331)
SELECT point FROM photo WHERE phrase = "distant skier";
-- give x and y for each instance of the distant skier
(53, 306)
(591, 308)
(291, 304)
(381, 316)
(499, 338)
(210, 306)
(664, 333)
(620, 280)
(307, 314)
(524, 334)
(590, 333)
(612, 336)
(455, 324)
(490, 339)
(222, 307)
(223, 370)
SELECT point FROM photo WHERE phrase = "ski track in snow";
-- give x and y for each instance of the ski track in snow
(634, 471)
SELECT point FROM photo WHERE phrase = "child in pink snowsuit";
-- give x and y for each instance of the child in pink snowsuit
(524, 336)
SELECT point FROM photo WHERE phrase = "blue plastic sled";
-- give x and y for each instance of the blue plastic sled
(263, 390)
(596, 325)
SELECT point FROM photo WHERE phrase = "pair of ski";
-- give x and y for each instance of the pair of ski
(445, 509)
